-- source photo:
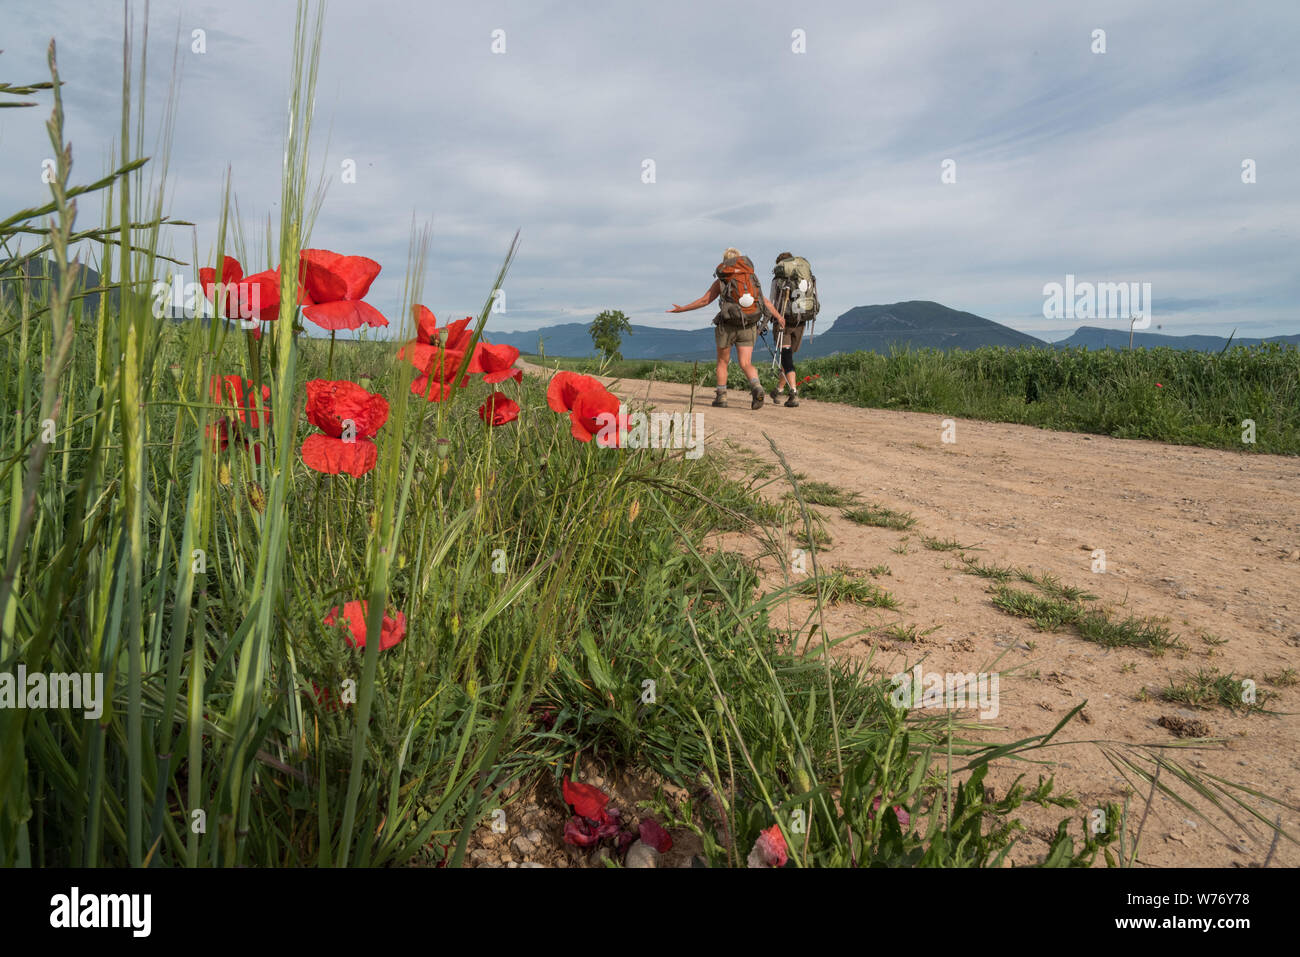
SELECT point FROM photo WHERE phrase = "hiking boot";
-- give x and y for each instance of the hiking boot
(793, 401)
(775, 393)
(760, 397)
(720, 400)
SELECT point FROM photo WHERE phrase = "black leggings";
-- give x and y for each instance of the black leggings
(787, 360)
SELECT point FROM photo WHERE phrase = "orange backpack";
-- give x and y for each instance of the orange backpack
(736, 279)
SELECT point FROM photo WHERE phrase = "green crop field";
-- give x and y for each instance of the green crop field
(1169, 395)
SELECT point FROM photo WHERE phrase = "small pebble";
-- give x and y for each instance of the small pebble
(641, 854)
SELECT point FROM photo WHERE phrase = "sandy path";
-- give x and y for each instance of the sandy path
(1208, 539)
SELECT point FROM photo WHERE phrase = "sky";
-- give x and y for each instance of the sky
(823, 128)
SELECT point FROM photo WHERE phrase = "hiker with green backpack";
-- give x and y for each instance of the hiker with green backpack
(794, 289)
(743, 306)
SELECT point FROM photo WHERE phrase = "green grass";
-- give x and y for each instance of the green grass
(1051, 613)
(818, 537)
(879, 516)
(1286, 678)
(1207, 688)
(824, 493)
(1052, 586)
(1202, 398)
(942, 544)
(906, 634)
(991, 570)
(840, 585)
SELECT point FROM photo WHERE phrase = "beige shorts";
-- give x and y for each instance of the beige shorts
(727, 336)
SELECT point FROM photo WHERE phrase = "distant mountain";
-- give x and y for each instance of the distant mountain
(917, 324)
(913, 324)
(1091, 337)
(38, 288)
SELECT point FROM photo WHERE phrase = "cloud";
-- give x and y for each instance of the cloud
(1122, 166)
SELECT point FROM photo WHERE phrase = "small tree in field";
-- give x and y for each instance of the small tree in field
(607, 332)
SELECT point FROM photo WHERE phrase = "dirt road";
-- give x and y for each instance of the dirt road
(1209, 540)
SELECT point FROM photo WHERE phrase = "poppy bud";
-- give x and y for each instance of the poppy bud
(256, 497)
(444, 448)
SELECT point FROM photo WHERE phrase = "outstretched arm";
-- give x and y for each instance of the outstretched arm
(704, 300)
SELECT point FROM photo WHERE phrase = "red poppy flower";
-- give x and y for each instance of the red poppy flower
(259, 296)
(655, 836)
(596, 413)
(609, 822)
(228, 299)
(498, 409)
(219, 433)
(392, 630)
(426, 323)
(579, 832)
(331, 456)
(587, 801)
(545, 715)
(899, 812)
(331, 404)
(565, 387)
(328, 276)
(435, 383)
(769, 850)
(437, 353)
(237, 391)
(334, 286)
(325, 698)
(429, 339)
(457, 335)
(349, 416)
(496, 363)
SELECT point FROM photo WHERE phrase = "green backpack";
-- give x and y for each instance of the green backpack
(794, 278)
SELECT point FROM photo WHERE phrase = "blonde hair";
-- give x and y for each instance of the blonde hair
(731, 253)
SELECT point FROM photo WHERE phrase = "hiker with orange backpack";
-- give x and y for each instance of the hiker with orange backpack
(743, 306)
(795, 288)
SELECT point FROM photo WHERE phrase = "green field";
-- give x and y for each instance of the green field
(1168, 395)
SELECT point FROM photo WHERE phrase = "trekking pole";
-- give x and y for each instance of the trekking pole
(782, 302)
